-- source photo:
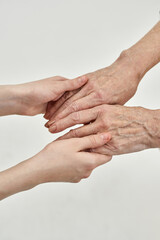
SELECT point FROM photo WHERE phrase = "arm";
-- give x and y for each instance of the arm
(115, 84)
(32, 98)
(145, 54)
(53, 165)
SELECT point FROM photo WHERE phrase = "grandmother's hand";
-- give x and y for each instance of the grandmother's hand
(115, 84)
(132, 128)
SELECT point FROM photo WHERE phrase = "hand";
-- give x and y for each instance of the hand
(73, 163)
(115, 84)
(32, 98)
(54, 165)
(132, 128)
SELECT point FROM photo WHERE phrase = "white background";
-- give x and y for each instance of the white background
(43, 38)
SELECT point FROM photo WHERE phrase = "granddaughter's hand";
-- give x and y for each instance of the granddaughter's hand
(60, 161)
(32, 98)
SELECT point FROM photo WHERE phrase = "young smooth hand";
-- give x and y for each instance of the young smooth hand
(32, 98)
(54, 165)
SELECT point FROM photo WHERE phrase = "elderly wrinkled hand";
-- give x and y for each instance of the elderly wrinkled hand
(132, 128)
(115, 84)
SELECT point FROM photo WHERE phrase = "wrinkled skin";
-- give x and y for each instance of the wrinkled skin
(115, 84)
(132, 128)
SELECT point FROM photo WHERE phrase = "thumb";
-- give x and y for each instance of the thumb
(69, 85)
(94, 141)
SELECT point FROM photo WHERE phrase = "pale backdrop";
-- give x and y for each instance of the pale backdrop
(42, 38)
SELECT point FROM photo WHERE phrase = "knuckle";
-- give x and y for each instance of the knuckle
(99, 94)
(76, 180)
(90, 165)
(87, 174)
(90, 85)
(103, 123)
(66, 104)
(75, 116)
(100, 110)
(73, 107)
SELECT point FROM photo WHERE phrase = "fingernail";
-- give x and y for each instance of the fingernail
(105, 136)
(53, 128)
(50, 123)
(45, 116)
(46, 125)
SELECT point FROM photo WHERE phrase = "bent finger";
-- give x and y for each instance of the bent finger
(81, 104)
(80, 117)
(69, 85)
(86, 130)
(80, 93)
(53, 109)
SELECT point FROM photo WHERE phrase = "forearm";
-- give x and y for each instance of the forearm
(10, 100)
(153, 124)
(18, 178)
(145, 53)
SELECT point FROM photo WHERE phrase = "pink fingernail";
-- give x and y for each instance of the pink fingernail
(46, 125)
(50, 123)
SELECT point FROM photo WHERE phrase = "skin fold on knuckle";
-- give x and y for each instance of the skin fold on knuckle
(73, 107)
(75, 117)
(99, 96)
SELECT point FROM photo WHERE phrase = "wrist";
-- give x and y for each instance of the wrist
(17, 179)
(130, 65)
(10, 100)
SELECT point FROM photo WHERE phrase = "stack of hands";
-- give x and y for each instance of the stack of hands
(95, 100)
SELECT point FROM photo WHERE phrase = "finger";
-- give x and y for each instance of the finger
(52, 108)
(49, 106)
(64, 86)
(81, 104)
(69, 85)
(80, 117)
(80, 94)
(93, 141)
(107, 149)
(85, 130)
(99, 159)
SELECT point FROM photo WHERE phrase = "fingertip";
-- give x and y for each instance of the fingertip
(46, 116)
(106, 137)
(46, 125)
